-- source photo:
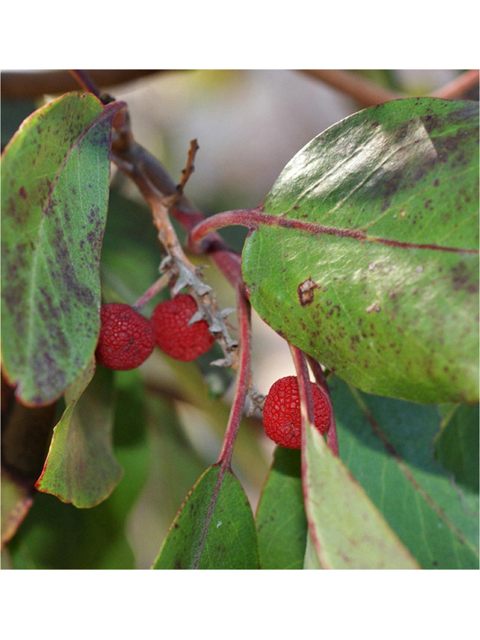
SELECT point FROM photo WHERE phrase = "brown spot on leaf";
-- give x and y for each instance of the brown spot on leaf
(305, 291)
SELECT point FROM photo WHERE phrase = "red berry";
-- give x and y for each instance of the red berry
(281, 412)
(173, 334)
(126, 337)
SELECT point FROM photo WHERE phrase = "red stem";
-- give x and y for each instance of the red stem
(304, 388)
(85, 81)
(458, 86)
(254, 218)
(243, 378)
(236, 412)
(317, 371)
(306, 406)
(151, 292)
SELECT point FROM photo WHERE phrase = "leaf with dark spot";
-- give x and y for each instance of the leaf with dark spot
(373, 266)
(55, 176)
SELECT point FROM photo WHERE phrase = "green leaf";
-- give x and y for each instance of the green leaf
(131, 446)
(17, 498)
(55, 175)
(376, 275)
(387, 445)
(56, 535)
(130, 251)
(281, 520)
(81, 467)
(214, 528)
(311, 560)
(456, 446)
(347, 529)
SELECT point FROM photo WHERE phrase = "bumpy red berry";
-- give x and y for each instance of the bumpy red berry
(174, 336)
(126, 337)
(281, 412)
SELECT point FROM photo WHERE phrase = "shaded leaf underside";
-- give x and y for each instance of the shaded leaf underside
(214, 528)
(81, 467)
(281, 520)
(388, 447)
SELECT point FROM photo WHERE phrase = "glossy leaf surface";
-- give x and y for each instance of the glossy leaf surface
(377, 274)
(224, 539)
(81, 467)
(281, 520)
(55, 175)
(388, 446)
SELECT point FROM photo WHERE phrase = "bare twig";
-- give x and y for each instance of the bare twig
(152, 291)
(186, 173)
(364, 91)
(32, 84)
(456, 88)
(147, 172)
(368, 93)
(85, 81)
(178, 266)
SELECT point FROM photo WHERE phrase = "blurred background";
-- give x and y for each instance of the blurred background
(248, 124)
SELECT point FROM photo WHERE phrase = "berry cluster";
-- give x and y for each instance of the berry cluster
(127, 338)
(281, 412)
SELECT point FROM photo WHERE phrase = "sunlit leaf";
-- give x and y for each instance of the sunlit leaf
(376, 275)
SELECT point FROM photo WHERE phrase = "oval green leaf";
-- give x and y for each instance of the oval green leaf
(388, 447)
(81, 467)
(55, 179)
(214, 528)
(373, 265)
(281, 521)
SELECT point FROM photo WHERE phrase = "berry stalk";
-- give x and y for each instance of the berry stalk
(319, 376)
(243, 380)
(241, 389)
(306, 405)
